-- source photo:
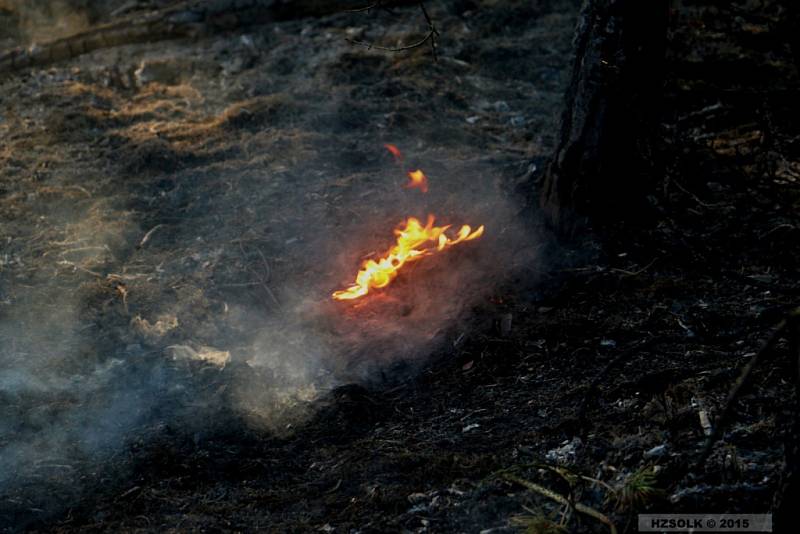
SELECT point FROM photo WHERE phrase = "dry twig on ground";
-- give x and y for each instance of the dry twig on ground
(430, 37)
(788, 325)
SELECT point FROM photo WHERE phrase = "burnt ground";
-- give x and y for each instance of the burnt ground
(163, 204)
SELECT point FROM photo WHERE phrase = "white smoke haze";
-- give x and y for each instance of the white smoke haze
(60, 402)
(67, 408)
(37, 21)
(315, 343)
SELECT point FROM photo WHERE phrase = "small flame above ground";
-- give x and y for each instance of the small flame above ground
(414, 241)
(418, 180)
(398, 157)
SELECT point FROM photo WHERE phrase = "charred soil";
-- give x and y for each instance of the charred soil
(156, 200)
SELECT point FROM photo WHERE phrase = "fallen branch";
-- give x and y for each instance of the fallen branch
(582, 508)
(186, 19)
(789, 324)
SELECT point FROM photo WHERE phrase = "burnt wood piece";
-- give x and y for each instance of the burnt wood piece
(603, 165)
(185, 19)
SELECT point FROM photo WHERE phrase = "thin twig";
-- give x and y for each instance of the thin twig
(262, 279)
(779, 227)
(559, 470)
(149, 234)
(634, 273)
(81, 189)
(433, 32)
(582, 508)
(267, 270)
(431, 36)
(382, 4)
(743, 380)
(695, 197)
(365, 8)
(388, 49)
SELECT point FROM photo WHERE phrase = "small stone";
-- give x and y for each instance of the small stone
(566, 453)
(414, 498)
(656, 452)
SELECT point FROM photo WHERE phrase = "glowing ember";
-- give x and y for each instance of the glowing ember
(414, 241)
(398, 157)
(418, 180)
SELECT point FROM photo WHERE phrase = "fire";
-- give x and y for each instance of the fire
(414, 241)
(398, 157)
(419, 180)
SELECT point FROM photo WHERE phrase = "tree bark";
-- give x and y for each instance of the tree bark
(604, 163)
(791, 19)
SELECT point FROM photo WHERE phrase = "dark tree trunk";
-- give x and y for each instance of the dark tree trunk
(791, 19)
(788, 494)
(604, 164)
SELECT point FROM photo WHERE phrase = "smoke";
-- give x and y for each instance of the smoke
(63, 404)
(224, 313)
(314, 342)
(78, 386)
(38, 20)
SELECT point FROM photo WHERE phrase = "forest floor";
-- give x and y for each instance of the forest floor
(174, 216)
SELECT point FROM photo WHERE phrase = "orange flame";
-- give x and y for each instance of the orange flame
(398, 157)
(414, 241)
(419, 180)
